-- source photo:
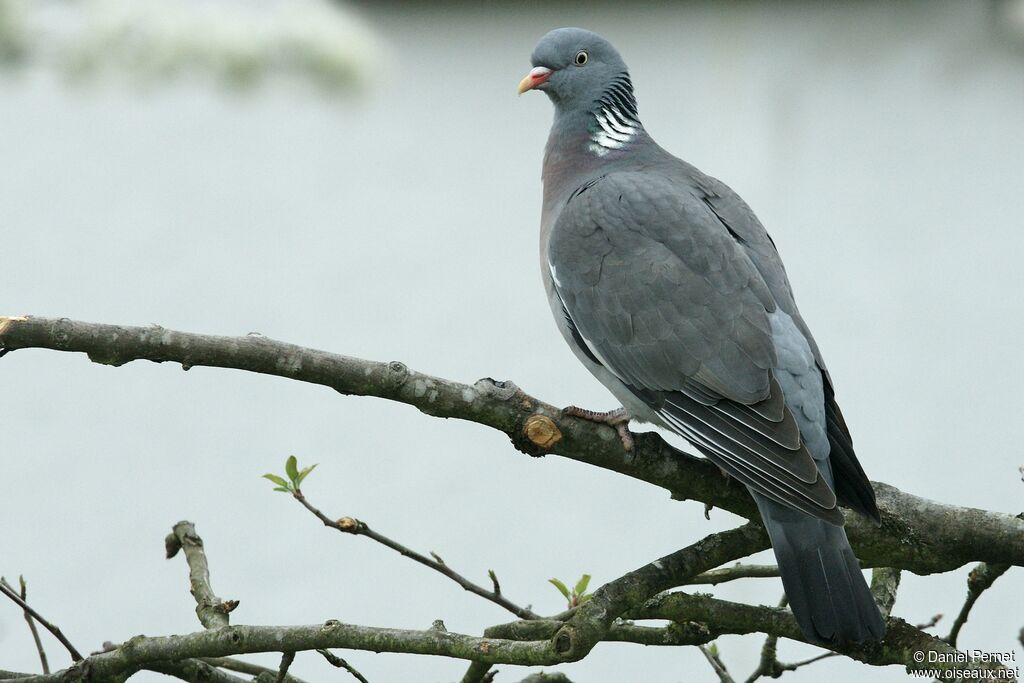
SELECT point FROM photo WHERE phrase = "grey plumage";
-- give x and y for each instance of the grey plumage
(671, 292)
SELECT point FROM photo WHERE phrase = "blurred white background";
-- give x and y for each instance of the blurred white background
(880, 143)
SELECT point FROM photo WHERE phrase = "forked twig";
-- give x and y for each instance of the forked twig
(350, 525)
(6, 589)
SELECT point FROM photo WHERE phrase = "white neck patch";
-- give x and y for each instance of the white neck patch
(615, 117)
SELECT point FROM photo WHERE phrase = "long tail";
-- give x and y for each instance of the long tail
(823, 581)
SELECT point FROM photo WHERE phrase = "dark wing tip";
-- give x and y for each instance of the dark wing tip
(853, 488)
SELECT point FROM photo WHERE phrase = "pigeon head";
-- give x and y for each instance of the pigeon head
(573, 66)
(588, 82)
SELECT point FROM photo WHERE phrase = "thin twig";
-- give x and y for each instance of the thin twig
(211, 610)
(737, 571)
(930, 623)
(32, 627)
(286, 661)
(796, 665)
(716, 663)
(979, 580)
(349, 525)
(335, 660)
(247, 668)
(6, 589)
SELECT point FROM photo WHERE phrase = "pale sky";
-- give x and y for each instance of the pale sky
(880, 145)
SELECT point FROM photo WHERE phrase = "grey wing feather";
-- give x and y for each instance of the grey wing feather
(656, 290)
(851, 484)
(737, 216)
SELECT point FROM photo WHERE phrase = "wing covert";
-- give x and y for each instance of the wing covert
(658, 291)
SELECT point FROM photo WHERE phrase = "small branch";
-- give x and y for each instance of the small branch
(885, 581)
(286, 661)
(673, 635)
(211, 610)
(930, 623)
(769, 664)
(7, 590)
(716, 663)
(246, 668)
(737, 571)
(349, 525)
(476, 673)
(193, 671)
(796, 665)
(32, 628)
(979, 580)
(335, 660)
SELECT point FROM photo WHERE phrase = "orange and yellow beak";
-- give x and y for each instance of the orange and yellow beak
(537, 75)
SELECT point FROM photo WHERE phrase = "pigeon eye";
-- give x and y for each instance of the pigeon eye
(581, 58)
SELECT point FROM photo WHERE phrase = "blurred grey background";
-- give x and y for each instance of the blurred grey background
(880, 143)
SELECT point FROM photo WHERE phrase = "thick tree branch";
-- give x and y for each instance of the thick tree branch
(902, 641)
(141, 651)
(211, 610)
(592, 620)
(916, 534)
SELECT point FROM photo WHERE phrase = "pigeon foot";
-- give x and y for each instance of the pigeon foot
(618, 419)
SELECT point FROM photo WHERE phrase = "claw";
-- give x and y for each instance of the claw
(617, 419)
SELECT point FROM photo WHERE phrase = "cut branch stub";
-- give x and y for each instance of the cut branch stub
(542, 431)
